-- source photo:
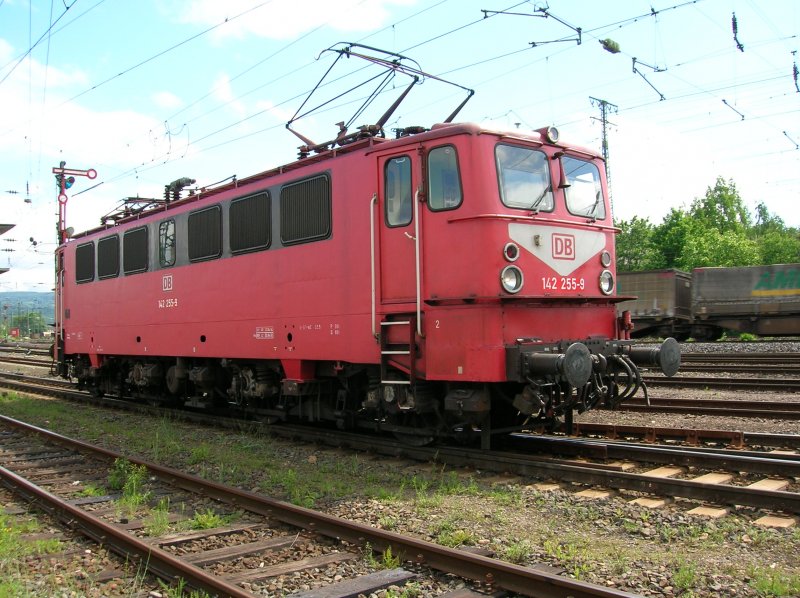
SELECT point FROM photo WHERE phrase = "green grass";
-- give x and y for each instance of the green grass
(387, 560)
(132, 480)
(685, 576)
(517, 552)
(15, 549)
(14, 546)
(157, 522)
(772, 583)
(208, 519)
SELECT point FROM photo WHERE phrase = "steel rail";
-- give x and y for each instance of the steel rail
(743, 368)
(787, 384)
(718, 403)
(740, 357)
(691, 435)
(25, 350)
(717, 459)
(718, 411)
(720, 407)
(159, 561)
(526, 581)
(26, 361)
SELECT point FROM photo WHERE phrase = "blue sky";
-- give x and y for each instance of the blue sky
(146, 92)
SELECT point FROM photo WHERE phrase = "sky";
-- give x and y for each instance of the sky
(150, 91)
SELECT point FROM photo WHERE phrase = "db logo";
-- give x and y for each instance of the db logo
(563, 247)
(166, 283)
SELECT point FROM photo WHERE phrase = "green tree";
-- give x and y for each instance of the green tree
(721, 208)
(779, 247)
(671, 237)
(716, 230)
(710, 247)
(28, 323)
(636, 247)
(777, 243)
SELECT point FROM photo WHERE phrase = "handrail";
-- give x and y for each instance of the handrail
(372, 204)
(416, 257)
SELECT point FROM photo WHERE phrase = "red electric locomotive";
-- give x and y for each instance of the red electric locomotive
(455, 281)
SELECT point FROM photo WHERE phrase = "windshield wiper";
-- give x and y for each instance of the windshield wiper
(590, 213)
(535, 206)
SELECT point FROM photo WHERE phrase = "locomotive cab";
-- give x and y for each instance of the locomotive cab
(506, 264)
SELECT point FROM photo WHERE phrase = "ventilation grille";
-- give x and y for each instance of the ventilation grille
(134, 251)
(250, 223)
(84, 262)
(108, 257)
(306, 211)
(205, 234)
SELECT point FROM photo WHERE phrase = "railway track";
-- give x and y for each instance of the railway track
(26, 361)
(50, 470)
(728, 408)
(739, 357)
(747, 486)
(774, 384)
(734, 439)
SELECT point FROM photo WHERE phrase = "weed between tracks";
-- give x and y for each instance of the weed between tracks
(654, 553)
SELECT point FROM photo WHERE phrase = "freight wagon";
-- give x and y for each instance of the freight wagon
(763, 300)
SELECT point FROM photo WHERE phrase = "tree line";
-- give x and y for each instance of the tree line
(716, 230)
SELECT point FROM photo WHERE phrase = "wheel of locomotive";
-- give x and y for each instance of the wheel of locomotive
(413, 421)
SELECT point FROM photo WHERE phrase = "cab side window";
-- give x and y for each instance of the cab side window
(166, 243)
(444, 182)
(397, 190)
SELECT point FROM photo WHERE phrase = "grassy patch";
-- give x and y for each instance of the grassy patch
(131, 479)
(157, 522)
(772, 583)
(387, 560)
(208, 519)
(14, 546)
(518, 551)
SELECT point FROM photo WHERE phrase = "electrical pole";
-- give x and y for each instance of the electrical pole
(605, 108)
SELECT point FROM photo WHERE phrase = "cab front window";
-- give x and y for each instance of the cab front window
(444, 186)
(584, 193)
(524, 178)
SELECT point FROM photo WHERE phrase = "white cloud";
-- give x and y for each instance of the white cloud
(222, 91)
(166, 99)
(280, 114)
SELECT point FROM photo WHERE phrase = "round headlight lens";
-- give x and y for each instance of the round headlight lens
(606, 282)
(511, 279)
(552, 135)
(605, 259)
(511, 252)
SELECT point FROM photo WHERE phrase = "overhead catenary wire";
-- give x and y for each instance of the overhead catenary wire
(197, 137)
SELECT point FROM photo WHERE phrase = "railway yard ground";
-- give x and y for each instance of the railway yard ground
(530, 520)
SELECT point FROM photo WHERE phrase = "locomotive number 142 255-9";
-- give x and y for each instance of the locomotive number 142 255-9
(563, 283)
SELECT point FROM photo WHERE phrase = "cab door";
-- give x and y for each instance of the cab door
(399, 181)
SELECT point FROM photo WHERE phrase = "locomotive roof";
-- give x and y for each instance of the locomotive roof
(366, 144)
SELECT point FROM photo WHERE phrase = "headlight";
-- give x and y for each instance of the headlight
(511, 252)
(605, 259)
(606, 282)
(511, 279)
